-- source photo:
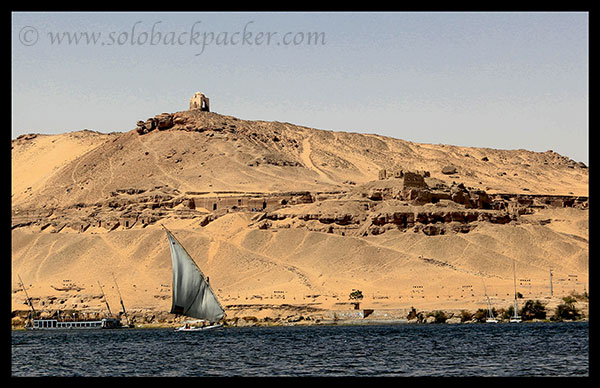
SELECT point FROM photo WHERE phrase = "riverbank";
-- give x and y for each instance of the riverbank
(302, 315)
(348, 322)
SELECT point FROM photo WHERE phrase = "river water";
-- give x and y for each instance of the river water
(526, 349)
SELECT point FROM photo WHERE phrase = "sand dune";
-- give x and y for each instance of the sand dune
(74, 176)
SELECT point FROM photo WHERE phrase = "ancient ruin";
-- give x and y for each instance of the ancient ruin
(200, 101)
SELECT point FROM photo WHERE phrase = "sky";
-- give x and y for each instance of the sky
(499, 80)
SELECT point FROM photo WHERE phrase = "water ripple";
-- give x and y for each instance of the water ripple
(553, 349)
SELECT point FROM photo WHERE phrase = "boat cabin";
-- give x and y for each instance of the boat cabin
(49, 324)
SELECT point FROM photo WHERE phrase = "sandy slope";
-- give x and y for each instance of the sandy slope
(394, 270)
(294, 266)
(37, 159)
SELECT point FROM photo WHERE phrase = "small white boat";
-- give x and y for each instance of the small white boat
(490, 318)
(191, 326)
(515, 318)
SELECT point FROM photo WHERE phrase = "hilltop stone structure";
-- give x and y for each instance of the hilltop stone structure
(200, 101)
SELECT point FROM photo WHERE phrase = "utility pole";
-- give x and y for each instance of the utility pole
(551, 293)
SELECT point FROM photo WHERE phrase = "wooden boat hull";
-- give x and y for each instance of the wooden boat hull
(192, 328)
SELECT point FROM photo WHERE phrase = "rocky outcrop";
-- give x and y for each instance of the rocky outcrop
(275, 160)
(432, 223)
(373, 222)
(409, 204)
(449, 170)
(398, 172)
(412, 187)
(413, 208)
(474, 198)
(532, 201)
(124, 209)
(161, 122)
(138, 207)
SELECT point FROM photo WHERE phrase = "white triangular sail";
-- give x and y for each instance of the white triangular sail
(192, 295)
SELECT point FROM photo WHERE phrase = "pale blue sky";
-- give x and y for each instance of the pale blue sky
(499, 80)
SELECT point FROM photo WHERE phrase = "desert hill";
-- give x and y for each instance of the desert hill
(208, 152)
(293, 217)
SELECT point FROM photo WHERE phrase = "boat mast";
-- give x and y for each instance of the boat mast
(28, 298)
(490, 315)
(121, 299)
(105, 301)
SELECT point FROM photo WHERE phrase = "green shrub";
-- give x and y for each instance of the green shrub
(509, 312)
(465, 316)
(533, 310)
(567, 310)
(412, 314)
(581, 297)
(501, 312)
(356, 294)
(480, 315)
(440, 316)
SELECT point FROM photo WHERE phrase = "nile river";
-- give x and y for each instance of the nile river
(526, 349)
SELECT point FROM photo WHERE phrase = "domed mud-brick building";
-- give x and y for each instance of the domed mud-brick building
(200, 101)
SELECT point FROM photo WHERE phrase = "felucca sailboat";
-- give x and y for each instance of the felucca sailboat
(515, 318)
(490, 316)
(192, 295)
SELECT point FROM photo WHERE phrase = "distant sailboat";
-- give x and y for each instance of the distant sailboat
(129, 324)
(490, 317)
(192, 295)
(515, 318)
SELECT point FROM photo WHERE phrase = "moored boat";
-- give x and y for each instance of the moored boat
(66, 322)
(57, 324)
(490, 315)
(515, 318)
